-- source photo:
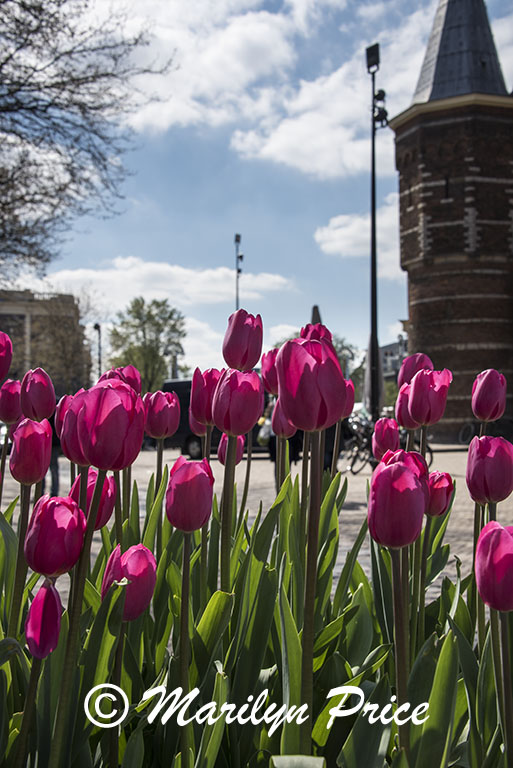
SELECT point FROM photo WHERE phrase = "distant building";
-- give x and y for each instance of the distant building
(392, 355)
(454, 154)
(46, 332)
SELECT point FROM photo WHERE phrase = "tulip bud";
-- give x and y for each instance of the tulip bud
(411, 365)
(162, 414)
(312, 387)
(489, 395)
(223, 444)
(428, 395)
(5, 354)
(66, 423)
(127, 374)
(60, 411)
(441, 489)
(281, 426)
(242, 343)
(349, 404)
(494, 566)
(402, 414)
(189, 494)
(10, 406)
(490, 469)
(37, 395)
(316, 332)
(138, 566)
(238, 402)
(43, 623)
(202, 393)
(413, 461)
(385, 437)
(268, 371)
(31, 451)
(196, 428)
(55, 535)
(397, 503)
(107, 499)
(110, 425)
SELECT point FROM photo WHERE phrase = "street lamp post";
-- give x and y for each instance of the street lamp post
(238, 269)
(378, 119)
(98, 328)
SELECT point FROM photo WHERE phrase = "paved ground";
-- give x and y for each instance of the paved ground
(447, 458)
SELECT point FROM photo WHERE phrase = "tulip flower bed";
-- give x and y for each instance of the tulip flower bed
(197, 638)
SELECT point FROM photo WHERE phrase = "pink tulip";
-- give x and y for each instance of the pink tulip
(316, 332)
(312, 388)
(107, 499)
(489, 395)
(138, 566)
(202, 393)
(242, 345)
(196, 428)
(55, 535)
(281, 426)
(110, 425)
(402, 414)
(43, 623)
(60, 411)
(162, 414)
(411, 365)
(238, 402)
(428, 395)
(268, 371)
(66, 421)
(10, 405)
(223, 444)
(494, 566)
(397, 503)
(5, 354)
(31, 451)
(441, 489)
(413, 461)
(385, 437)
(189, 494)
(37, 395)
(128, 374)
(490, 469)
(349, 404)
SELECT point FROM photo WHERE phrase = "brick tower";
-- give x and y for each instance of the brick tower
(454, 154)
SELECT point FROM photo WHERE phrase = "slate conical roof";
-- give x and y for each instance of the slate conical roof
(461, 57)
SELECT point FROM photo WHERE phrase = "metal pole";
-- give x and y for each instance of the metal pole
(97, 327)
(374, 292)
(237, 270)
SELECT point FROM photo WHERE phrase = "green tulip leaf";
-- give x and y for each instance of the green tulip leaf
(342, 591)
(212, 735)
(152, 519)
(367, 742)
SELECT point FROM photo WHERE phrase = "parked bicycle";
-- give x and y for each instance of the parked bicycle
(501, 428)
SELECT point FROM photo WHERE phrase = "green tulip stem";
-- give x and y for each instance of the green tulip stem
(336, 448)
(423, 440)
(410, 440)
(322, 451)
(72, 472)
(508, 690)
(38, 491)
(414, 616)
(116, 680)
(495, 634)
(28, 713)
(277, 464)
(127, 479)
(82, 496)
(158, 480)
(3, 459)
(21, 564)
(282, 448)
(492, 511)
(304, 497)
(186, 734)
(226, 512)
(405, 590)
(310, 588)
(249, 448)
(63, 726)
(118, 511)
(401, 646)
(206, 442)
(422, 587)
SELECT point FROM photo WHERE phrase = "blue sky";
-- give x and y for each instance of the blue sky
(262, 128)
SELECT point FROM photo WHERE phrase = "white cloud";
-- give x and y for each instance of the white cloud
(277, 333)
(348, 236)
(203, 345)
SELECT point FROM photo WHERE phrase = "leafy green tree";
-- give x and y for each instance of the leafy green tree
(148, 335)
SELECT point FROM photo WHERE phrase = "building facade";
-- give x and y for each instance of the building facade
(454, 155)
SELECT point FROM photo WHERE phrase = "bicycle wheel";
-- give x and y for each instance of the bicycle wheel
(361, 458)
(346, 454)
(466, 433)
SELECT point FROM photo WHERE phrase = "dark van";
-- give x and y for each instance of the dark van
(183, 438)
